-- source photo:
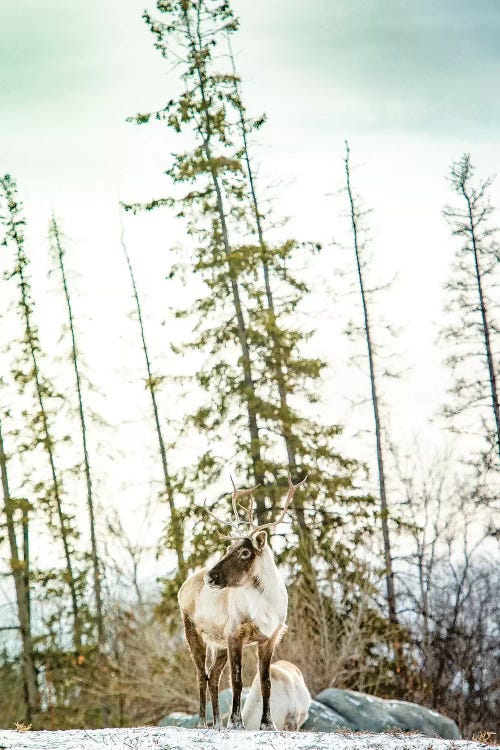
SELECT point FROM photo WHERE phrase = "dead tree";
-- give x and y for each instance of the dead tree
(476, 335)
(355, 216)
(55, 236)
(151, 385)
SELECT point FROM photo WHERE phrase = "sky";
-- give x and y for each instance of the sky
(411, 85)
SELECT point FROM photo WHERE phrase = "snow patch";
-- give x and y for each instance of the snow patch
(179, 738)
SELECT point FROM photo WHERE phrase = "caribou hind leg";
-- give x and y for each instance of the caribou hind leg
(234, 648)
(199, 653)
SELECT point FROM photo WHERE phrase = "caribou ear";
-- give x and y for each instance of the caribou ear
(260, 540)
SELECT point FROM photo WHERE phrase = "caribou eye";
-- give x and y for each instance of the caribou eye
(245, 554)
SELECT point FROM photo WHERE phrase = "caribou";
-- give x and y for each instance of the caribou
(238, 602)
(290, 698)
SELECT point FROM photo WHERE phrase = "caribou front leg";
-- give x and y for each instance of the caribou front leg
(265, 651)
(215, 671)
(199, 653)
(234, 649)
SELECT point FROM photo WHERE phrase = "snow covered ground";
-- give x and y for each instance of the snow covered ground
(178, 738)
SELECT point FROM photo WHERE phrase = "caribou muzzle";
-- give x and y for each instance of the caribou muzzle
(213, 580)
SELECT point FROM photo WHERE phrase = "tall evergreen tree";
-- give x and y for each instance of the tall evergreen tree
(218, 183)
(279, 363)
(249, 337)
(289, 372)
(29, 376)
(475, 331)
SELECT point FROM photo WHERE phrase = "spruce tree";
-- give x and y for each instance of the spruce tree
(29, 378)
(254, 351)
(276, 362)
(289, 374)
(213, 208)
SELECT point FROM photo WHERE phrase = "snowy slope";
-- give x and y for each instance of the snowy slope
(178, 738)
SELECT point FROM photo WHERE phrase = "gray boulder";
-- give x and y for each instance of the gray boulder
(178, 719)
(367, 713)
(323, 719)
(413, 717)
(335, 710)
(363, 713)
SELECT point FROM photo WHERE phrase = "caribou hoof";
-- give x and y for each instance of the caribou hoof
(267, 726)
(235, 724)
(202, 725)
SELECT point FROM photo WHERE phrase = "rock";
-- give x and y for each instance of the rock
(323, 719)
(367, 713)
(178, 719)
(335, 709)
(413, 717)
(362, 712)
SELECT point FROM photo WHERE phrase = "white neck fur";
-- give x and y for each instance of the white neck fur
(265, 605)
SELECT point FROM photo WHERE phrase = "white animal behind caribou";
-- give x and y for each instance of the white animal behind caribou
(238, 602)
(290, 698)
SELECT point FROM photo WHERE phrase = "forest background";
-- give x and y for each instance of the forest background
(400, 600)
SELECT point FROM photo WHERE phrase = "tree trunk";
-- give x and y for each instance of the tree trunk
(83, 426)
(18, 568)
(484, 320)
(389, 574)
(286, 431)
(249, 387)
(101, 634)
(169, 492)
(77, 625)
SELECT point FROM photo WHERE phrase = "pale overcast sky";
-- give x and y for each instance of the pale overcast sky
(411, 84)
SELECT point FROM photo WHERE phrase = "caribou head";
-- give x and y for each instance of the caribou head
(242, 563)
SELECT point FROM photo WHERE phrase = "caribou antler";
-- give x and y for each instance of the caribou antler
(291, 492)
(237, 520)
(252, 528)
(220, 521)
(236, 494)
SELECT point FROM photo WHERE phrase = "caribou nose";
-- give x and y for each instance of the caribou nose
(211, 579)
